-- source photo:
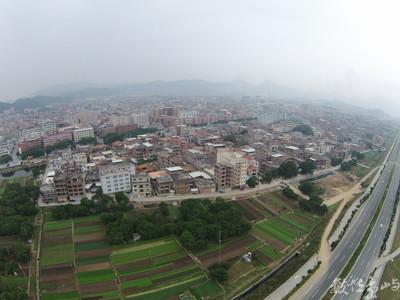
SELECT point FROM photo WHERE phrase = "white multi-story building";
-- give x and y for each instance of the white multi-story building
(83, 133)
(239, 166)
(141, 119)
(30, 134)
(79, 159)
(116, 177)
(49, 127)
(121, 120)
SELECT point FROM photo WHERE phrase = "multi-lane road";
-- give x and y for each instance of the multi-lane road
(344, 251)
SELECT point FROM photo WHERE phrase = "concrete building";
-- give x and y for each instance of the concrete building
(141, 185)
(223, 174)
(55, 138)
(69, 186)
(239, 166)
(116, 177)
(141, 119)
(49, 127)
(31, 133)
(83, 133)
(80, 160)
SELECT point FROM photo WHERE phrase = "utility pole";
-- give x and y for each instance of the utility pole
(219, 241)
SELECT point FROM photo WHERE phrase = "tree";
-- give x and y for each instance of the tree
(252, 182)
(306, 187)
(266, 178)
(219, 273)
(357, 155)
(164, 208)
(35, 152)
(230, 138)
(20, 253)
(87, 141)
(288, 169)
(288, 192)
(304, 129)
(13, 293)
(5, 159)
(307, 167)
(336, 161)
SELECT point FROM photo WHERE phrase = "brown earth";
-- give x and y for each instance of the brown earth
(232, 250)
(246, 205)
(56, 240)
(135, 289)
(55, 269)
(300, 220)
(276, 206)
(179, 263)
(134, 265)
(94, 267)
(87, 224)
(8, 240)
(92, 253)
(176, 276)
(89, 241)
(277, 244)
(267, 207)
(292, 204)
(98, 287)
(337, 184)
(264, 259)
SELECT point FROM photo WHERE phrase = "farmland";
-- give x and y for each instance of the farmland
(75, 260)
(159, 263)
(23, 181)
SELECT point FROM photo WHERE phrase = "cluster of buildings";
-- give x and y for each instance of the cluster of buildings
(200, 145)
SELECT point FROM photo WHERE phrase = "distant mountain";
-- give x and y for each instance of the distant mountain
(237, 87)
(34, 102)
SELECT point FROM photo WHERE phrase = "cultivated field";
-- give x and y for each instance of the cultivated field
(160, 264)
(23, 181)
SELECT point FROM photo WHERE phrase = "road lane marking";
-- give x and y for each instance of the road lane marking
(351, 245)
(315, 293)
(342, 258)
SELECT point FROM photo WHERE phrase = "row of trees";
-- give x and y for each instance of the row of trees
(5, 159)
(113, 136)
(309, 188)
(314, 204)
(304, 129)
(9, 259)
(99, 204)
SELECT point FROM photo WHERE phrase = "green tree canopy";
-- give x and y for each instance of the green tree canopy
(304, 129)
(288, 169)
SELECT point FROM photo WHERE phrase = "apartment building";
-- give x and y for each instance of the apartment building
(116, 177)
(141, 185)
(49, 127)
(83, 133)
(69, 186)
(239, 166)
(55, 138)
(223, 176)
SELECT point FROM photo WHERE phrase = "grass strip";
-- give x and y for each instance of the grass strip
(91, 246)
(57, 225)
(207, 289)
(60, 296)
(88, 229)
(92, 260)
(293, 223)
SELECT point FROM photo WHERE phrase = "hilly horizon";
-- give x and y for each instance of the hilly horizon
(195, 87)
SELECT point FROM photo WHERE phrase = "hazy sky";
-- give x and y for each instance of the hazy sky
(346, 47)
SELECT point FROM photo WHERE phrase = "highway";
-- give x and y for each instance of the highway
(366, 261)
(343, 252)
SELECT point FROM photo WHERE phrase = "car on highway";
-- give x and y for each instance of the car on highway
(381, 226)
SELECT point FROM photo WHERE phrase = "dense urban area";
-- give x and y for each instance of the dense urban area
(183, 197)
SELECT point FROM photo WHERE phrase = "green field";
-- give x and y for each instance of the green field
(174, 212)
(207, 289)
(88, 229)
(92, 260)
(176, 289)
(278, 231)
(145, 252)
(270, 252)
(57, 225)
(91, 246)
(94, 218)
(58, 232)
(96, 276)
(295, 224)
(61, 296)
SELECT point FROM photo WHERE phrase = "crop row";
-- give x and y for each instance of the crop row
(293, 223)
(278, 231)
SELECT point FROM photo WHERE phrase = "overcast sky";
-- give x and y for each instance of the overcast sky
(344, 47)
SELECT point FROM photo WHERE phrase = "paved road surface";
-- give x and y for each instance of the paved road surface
(343, 252)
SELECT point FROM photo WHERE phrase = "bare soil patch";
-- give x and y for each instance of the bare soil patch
(90, 238)
(56, 269)
(87, 224)
(267, 207)
(56, 240)
(264, 259)
(92, 253)
(98, 287)
(94, 267)
(277, 244)
(227, 253)
(175, 276)
(134, 265)
(246, 205)
(337, 184)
